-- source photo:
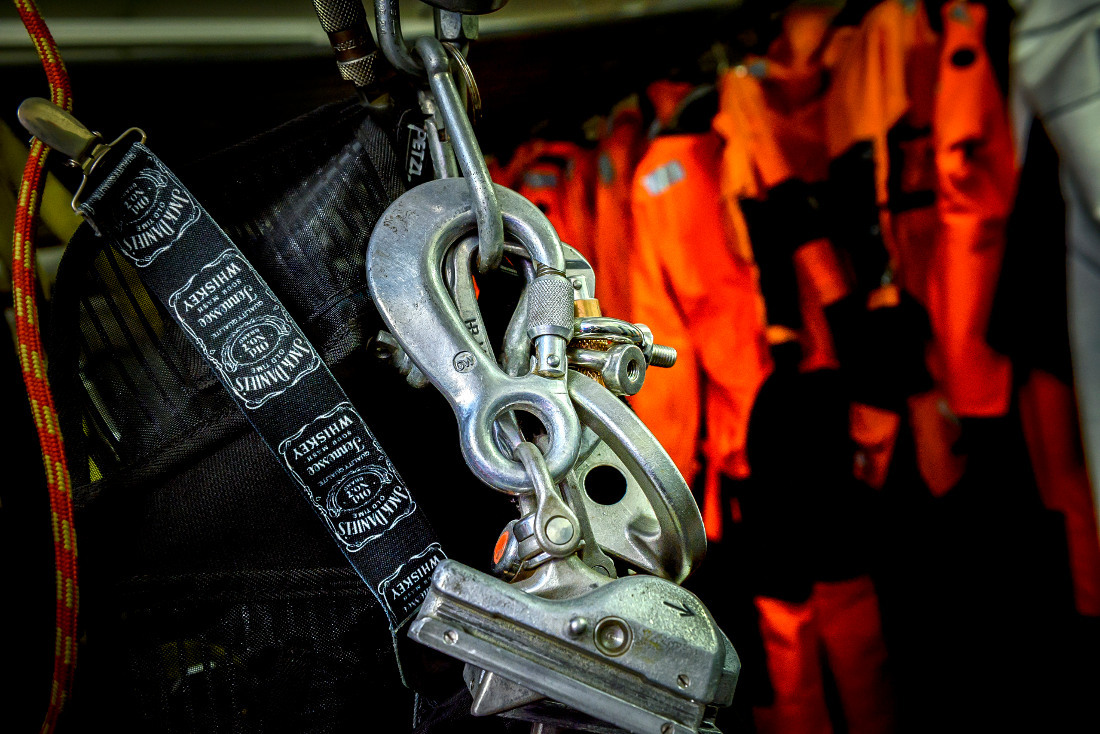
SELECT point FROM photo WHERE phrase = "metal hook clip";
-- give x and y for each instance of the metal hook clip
(387, 19)
(405, 275)
(61, 131)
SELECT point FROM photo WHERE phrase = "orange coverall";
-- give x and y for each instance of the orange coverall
(560, 182)
(881, 101)
(617, 155)
(883, 82)
(772, 119)
(976, 185)
(691, 286)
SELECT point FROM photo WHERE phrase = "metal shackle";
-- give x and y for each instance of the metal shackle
(405, 276)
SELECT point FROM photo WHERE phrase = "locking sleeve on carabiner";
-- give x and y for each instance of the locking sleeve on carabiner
(357, 56)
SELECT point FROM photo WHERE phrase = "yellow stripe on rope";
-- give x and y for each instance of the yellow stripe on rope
(55, 526)
(62, 483)
(28, 309)
(36, 363)
(31, 368)
(51, 418)
(36, 411)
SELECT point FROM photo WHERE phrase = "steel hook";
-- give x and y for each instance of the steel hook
(405, 275)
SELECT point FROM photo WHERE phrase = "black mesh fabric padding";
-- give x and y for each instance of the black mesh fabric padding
(212, 597)
(301, 206)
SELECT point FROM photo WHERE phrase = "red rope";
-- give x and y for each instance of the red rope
(32, 358)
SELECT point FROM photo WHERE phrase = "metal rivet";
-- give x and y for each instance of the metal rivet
(450, 637)
(553, 360)
(683, 680)
(613, 636)
(577, 626)
(559, 530)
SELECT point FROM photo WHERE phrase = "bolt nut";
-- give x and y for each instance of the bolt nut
(624, 370)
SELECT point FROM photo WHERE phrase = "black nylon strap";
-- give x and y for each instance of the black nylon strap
(274, 374)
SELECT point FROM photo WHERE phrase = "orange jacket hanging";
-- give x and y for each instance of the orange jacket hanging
(771, 117)
(879, 105)
(976, 176)
(1048, 411)
(691, 288)
(617, 157)
(559, 180)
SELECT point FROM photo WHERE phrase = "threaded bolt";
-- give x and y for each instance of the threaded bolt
(663, 356)
(544, 269)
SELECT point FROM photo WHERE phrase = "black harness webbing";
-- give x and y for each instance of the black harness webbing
(274, 374)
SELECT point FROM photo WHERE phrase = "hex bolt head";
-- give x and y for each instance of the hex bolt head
(577, 626)
(613, 636)
(559, 530)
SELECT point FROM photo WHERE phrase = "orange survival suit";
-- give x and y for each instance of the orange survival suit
(801, 507)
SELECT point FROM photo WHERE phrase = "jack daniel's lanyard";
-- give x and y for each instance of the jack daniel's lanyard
(274, 374)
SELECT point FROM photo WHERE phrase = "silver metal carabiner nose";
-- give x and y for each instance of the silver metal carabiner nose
(405, 276)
